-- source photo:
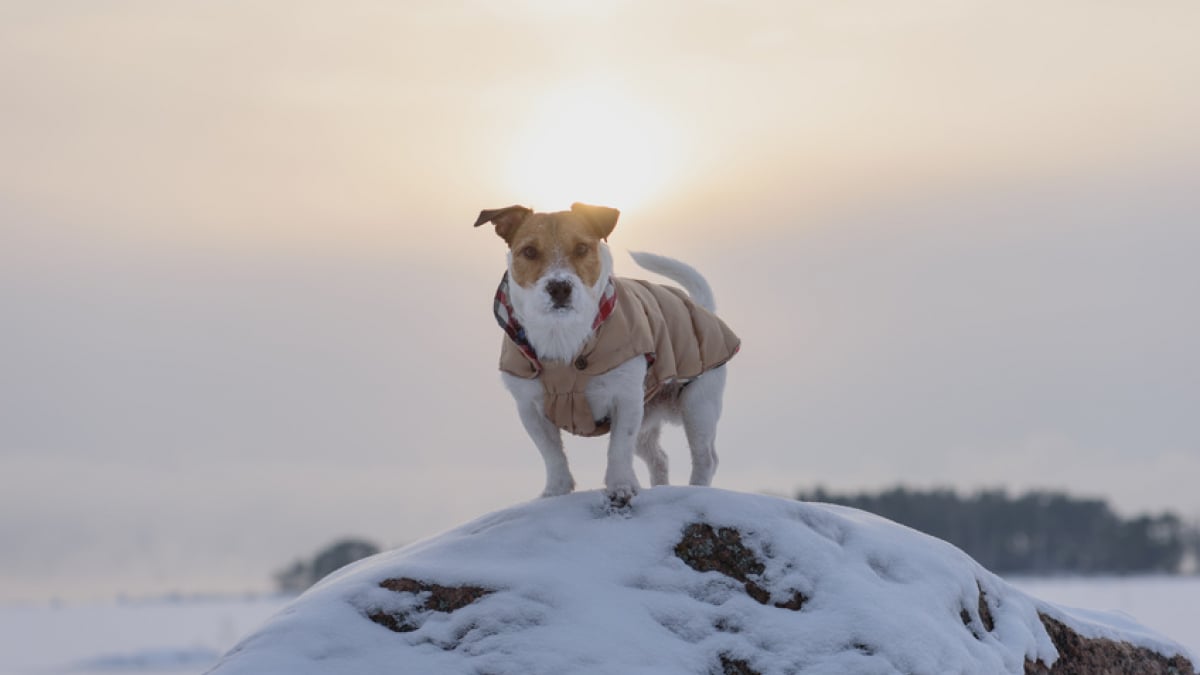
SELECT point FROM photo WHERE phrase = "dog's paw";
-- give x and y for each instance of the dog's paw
(559, 488)
(556, 492)
(619, 496)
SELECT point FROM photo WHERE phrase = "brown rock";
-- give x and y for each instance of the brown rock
(1078, 655)
(721, 550)
(441, 599)
(985, 614)
(732, 666)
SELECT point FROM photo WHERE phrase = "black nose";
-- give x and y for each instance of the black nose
(560, 292)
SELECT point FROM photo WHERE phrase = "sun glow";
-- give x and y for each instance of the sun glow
(592, 144)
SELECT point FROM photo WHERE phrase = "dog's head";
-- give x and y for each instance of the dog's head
(561, 256)
(558, 263)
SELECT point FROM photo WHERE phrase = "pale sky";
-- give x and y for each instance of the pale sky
(245, 313)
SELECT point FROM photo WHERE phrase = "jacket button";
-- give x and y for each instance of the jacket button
(581, 363)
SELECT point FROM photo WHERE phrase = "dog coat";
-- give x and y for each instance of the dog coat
(679, 339)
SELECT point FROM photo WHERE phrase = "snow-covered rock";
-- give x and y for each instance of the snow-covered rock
(689, 581)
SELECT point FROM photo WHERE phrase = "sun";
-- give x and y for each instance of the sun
(594, 144)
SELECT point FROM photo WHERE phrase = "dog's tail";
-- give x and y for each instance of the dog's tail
(681, 273)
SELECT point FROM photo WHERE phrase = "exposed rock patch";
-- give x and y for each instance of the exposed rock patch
(721, 550)
(984, 612)
(441, 599)
(705, 549)
(394, 622)
(1078, 655)
(732, 666)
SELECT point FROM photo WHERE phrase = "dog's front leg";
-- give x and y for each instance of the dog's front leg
(548, 439)
(620, 481)
(620, 394)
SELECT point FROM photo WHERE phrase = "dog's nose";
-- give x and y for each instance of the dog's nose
(560, 291)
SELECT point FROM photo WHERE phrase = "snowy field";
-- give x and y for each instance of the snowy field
(186, 636)
(127, 638)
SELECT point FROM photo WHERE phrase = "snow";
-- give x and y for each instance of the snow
(187, 635)
(147, 638)
(579, 588)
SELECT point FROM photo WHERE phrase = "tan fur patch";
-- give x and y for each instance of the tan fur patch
(548, 239)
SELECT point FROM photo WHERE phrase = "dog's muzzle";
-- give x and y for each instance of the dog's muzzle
(559, 292)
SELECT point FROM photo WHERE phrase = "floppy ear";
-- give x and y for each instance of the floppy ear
(506, 219)
(601, 218)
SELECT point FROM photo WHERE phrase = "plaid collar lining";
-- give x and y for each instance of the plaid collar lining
(506, 317)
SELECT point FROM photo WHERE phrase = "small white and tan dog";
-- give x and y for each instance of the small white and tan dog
(591, 353)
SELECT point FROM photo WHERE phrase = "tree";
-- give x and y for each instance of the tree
(300, 575)
(1035, 533)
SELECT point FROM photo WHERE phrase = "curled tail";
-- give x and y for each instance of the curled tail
(681, 273)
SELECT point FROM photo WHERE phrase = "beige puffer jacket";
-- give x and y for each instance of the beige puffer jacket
(679, 339)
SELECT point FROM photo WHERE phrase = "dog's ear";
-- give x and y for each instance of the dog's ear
(602, 219)
(506, 219)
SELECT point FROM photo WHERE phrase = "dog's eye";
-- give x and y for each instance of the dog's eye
(581, 250)
(529, 253)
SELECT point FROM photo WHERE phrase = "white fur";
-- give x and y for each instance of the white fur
(681, 273)
(558, 334)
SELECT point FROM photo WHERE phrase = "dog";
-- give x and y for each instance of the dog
(590, 353)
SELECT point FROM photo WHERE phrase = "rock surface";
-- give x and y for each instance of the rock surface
(686, 580)
(1077, 654)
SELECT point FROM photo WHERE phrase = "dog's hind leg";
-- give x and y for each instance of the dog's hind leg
(651, 452)
(700, 404)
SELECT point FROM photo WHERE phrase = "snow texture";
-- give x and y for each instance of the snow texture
(567, 585)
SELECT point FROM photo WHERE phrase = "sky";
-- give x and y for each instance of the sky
(245, 312)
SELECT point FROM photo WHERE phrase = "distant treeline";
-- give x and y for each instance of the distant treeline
(1035, 533)
(301, 574)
